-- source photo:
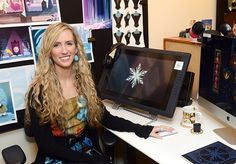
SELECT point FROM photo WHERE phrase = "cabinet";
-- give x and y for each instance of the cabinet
(230, 18)
(223, 14)
(190, 46)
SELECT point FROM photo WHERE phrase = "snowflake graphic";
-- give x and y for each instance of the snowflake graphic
(136, 75)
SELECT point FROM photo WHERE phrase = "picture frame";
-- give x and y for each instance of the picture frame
(7, 107)
(19, 84)
(28, 12)
(15, 45)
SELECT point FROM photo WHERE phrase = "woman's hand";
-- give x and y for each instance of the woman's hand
(160, 128)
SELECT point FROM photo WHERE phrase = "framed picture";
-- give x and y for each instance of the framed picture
(28, 12)
(97, 14)
(36, 34)
(84, 34)
(7, 108)
(19, 83)
(15, 45)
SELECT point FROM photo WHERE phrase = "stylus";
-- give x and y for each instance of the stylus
(167, 133)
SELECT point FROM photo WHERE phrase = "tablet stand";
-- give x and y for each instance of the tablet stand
(136, 111)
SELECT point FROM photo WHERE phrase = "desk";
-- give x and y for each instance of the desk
(169, 149)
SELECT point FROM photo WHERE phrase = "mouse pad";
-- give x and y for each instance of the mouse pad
(215, 153)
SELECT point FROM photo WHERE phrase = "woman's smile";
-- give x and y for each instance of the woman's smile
(65, 58)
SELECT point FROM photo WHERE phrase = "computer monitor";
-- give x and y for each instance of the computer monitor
(217, 89)
(146, 79)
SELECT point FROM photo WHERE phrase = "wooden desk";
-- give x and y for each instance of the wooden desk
(190, 46)
(171, 148)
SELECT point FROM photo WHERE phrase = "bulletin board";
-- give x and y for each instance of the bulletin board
(71, 12)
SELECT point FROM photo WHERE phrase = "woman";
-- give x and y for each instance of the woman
(62, 104)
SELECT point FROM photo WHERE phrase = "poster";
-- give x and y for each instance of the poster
(28, 12)
(7, 109)
(84, 34)
(97, 14)
(127, 22)
(19, 83)
(15, 44)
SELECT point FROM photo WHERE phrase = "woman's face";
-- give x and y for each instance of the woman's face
(64, 50)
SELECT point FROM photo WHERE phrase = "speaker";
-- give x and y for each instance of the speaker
(186, 90)
(110, 56)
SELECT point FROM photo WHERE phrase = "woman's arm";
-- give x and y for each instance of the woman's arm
(144, 131)
(120, 124)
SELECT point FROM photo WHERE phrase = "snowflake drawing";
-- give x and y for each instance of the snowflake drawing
(136, 75)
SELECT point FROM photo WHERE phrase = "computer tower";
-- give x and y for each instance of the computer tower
(186, 90)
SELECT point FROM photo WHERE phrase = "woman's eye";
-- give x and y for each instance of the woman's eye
(70, 43)
(55, 45)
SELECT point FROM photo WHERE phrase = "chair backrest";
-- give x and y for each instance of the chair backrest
(14, 155)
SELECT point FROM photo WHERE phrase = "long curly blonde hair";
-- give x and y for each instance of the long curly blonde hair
(45, 94)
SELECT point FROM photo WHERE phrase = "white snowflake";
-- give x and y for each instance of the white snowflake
(136, 75)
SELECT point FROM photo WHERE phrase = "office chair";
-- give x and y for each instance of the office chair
(15, 155)
(109, 140)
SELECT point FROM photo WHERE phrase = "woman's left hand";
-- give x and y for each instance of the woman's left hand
(160, 128)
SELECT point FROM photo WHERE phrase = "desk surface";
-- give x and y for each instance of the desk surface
(171, 148)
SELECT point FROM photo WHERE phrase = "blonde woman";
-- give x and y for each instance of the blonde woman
(62, 106)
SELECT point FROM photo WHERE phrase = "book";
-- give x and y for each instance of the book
(214, 153)
(207, 23)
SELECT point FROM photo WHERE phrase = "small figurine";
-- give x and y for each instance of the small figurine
(3, 110)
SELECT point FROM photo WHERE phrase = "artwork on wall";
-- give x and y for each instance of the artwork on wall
(127, 22)
(84, 33)
(12, 7)
(7, 109)
(15, 44)
(36, 34)
(19, 84)
(97, 14)
(28, 12)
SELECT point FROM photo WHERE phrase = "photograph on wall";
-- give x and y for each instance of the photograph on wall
(28, 12)
(15, 44)
(84, 33)
(36, 34)
(7, 109)
(97, 14)
(11, 7)
(20, 78)
(127, 23)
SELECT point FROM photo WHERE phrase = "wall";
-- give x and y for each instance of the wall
(167, 17)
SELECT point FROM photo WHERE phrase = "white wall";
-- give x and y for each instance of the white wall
(168, 17)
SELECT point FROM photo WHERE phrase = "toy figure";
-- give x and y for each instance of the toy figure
(3, 110)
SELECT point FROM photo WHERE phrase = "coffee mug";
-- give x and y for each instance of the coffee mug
(190, 116)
